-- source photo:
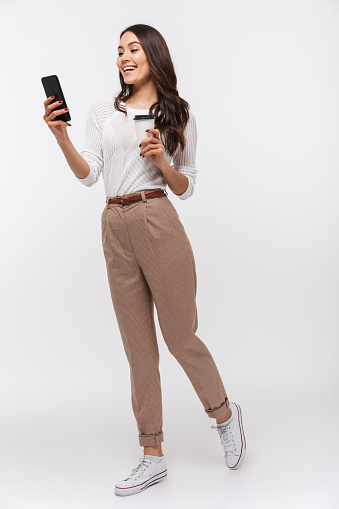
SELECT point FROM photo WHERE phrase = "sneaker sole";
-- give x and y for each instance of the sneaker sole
(243, 450)
(133, 490)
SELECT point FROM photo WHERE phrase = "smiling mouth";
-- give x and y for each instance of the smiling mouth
(129, 71)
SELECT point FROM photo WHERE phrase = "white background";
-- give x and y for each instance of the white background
(262, 79)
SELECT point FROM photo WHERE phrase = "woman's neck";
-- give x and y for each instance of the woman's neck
(134, 103)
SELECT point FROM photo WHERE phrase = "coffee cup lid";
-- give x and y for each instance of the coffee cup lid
(143, 117)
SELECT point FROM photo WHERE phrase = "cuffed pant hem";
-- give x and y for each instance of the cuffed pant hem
(219, 410)
(154, 439)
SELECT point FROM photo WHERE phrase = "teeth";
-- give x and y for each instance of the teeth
(129, 68)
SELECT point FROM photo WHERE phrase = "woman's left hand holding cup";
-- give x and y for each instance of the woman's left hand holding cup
(154, 149)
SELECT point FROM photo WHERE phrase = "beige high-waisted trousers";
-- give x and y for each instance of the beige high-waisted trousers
(150, 261)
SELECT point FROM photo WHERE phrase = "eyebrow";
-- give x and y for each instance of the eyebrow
(134, 42)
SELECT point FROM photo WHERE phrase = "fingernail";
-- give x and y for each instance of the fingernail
(139, 144)
(52, 96)
(59, 102)
(146, 130)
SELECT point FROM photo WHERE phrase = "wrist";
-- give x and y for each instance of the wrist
(64, 142)
(166, 167)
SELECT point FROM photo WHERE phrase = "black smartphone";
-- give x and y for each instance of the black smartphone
(52, 86)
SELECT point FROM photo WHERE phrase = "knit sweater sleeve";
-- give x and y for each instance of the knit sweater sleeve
(92, 152)
(184, 160)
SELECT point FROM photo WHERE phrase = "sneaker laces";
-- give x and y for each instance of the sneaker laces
(144, 462)
(226, 438)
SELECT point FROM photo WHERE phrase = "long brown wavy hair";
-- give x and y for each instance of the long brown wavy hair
(171, 112)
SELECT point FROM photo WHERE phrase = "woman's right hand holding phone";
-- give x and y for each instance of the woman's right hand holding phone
(58, 127)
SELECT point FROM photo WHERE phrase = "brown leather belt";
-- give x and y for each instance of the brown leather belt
(128, 199)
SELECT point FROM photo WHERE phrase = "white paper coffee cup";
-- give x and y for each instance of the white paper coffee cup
(141, 123)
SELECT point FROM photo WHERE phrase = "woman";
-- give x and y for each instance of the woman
(148, 255)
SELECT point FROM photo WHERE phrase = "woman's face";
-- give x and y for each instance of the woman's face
(130, 53)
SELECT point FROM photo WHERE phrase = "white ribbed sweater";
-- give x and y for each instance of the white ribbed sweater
(111, 148)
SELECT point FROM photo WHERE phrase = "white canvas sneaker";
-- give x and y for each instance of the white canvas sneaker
(232, 438)
(149, 471)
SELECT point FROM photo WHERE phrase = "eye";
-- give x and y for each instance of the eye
(131, 50)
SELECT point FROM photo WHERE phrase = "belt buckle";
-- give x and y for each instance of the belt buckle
(127, 198)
